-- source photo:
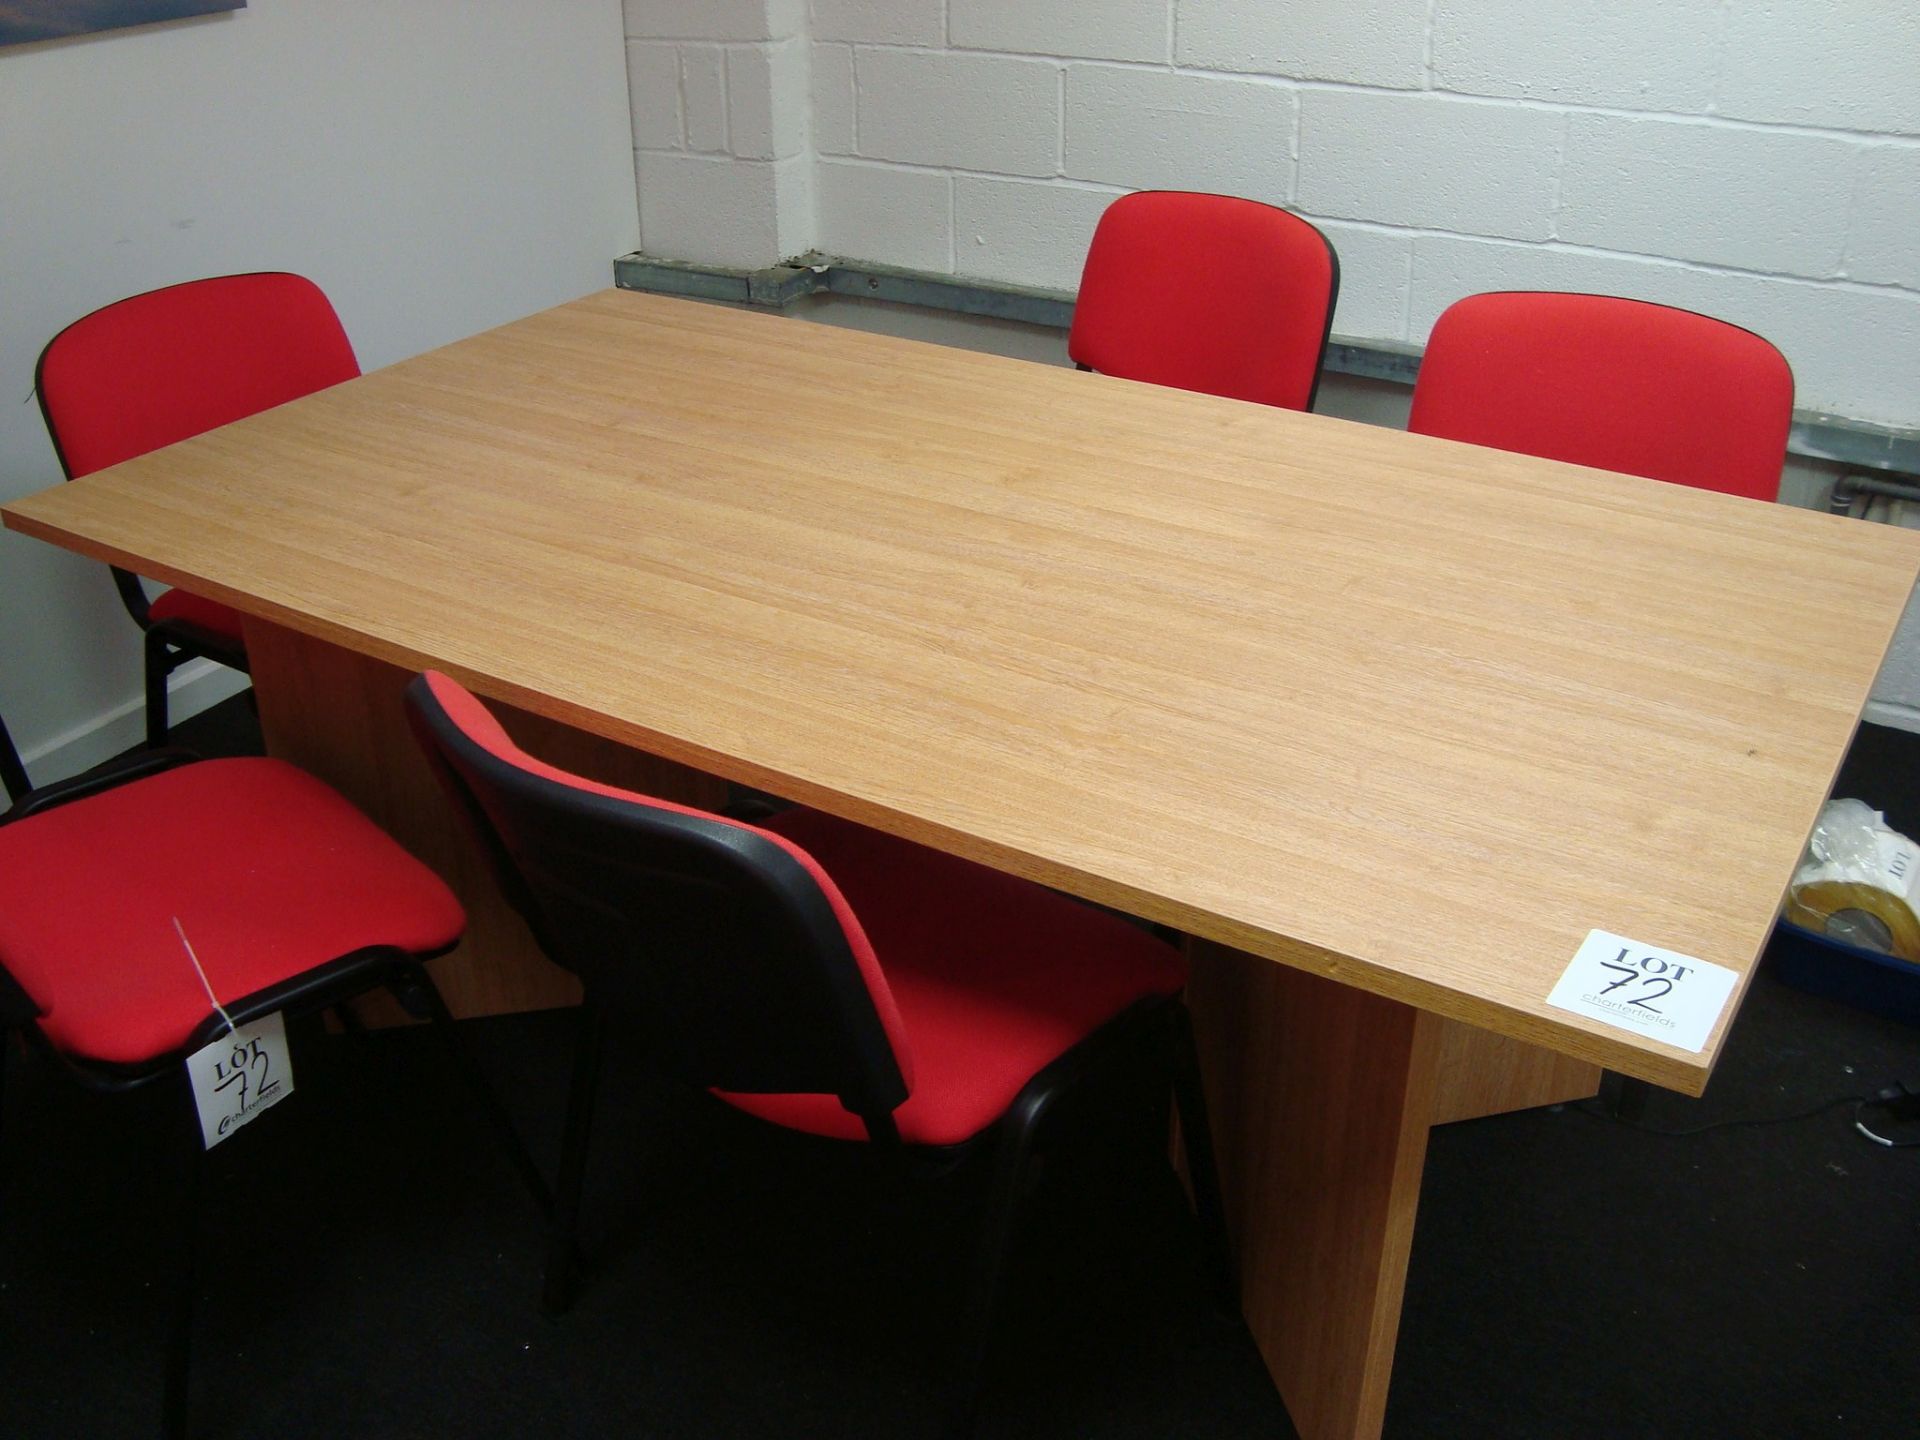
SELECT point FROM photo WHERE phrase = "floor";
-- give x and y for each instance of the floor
(372, 1266)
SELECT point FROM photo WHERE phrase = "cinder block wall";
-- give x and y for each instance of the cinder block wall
(722, 154)
(1756, 159)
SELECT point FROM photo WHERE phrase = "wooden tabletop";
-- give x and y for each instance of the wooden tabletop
(1406, 713)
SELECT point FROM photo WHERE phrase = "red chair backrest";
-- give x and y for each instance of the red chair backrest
(1616, 384)
(726, 945)
(156, 368)
(1209, 293)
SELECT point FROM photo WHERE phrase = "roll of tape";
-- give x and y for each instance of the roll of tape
(1831, 907)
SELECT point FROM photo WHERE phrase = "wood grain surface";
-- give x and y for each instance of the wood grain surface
(1321, 1098)
(1479, 1073)
(1406, 714)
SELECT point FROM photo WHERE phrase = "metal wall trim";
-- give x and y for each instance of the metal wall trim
(1815, 435)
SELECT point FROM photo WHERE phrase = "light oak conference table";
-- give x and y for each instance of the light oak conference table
(1407, 717)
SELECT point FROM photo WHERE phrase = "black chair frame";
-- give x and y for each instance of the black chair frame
(402, 974)
(832, 1040)
(12, 773)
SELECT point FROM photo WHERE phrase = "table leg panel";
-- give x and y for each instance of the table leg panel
(1321, 1098)
(1482, 1073)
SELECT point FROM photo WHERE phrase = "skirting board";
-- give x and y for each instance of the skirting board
(192, 688)
(1893, 715)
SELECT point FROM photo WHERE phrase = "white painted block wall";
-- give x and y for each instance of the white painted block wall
(1756, 159)
(722, 133)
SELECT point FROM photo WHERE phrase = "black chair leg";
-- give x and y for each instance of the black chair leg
(1013, 1158)
(186, 1280)
(563, 1253)
(1196, 1134)
(12, 773)
(422, 991)
(1623, 1097)
(159, 665)
(6, 1058)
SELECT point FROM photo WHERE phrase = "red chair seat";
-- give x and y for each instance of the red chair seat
(209, 615)
(995, 977)
(270, 873)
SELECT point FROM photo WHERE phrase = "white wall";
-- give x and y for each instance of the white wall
(438, 166)
(1755, 159)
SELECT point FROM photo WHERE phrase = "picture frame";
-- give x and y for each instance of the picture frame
(25, 21)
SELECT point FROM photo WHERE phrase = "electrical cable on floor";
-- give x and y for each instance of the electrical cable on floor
(1899, 1103)
(1593, 1111)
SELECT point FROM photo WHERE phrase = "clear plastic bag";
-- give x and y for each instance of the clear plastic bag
(1857, 880)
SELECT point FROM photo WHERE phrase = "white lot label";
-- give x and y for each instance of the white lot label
(1645, 989)
(239, 1076)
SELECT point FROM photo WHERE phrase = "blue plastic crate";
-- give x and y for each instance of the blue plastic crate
(1884, 984)
(1882, 768)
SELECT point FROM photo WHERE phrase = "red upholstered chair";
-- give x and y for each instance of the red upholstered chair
(1209, 293)
(819, 975)
(292, 899)
(1616, 384)
(161, 367)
